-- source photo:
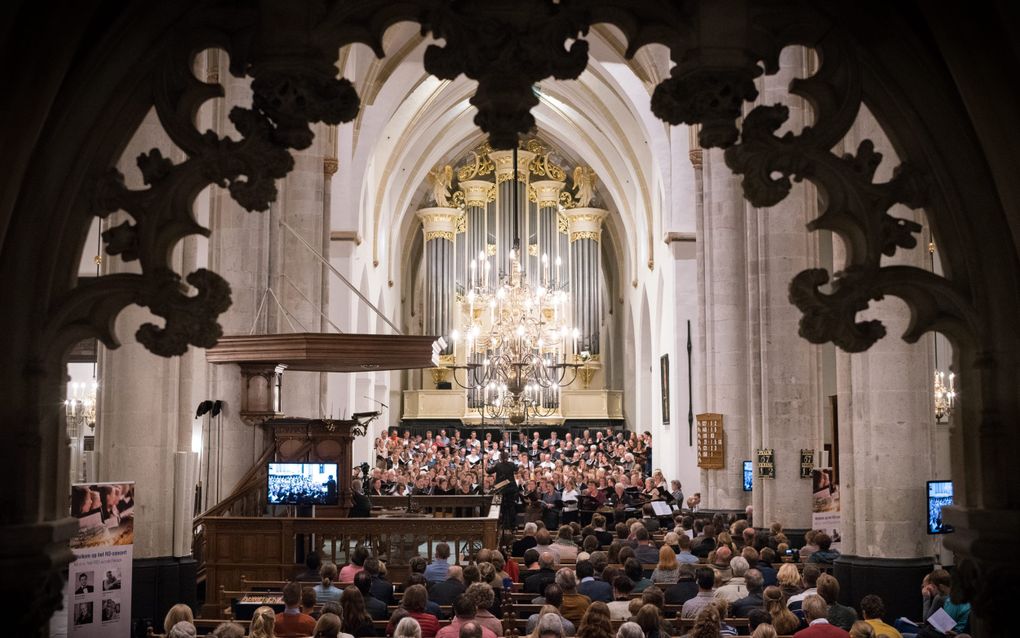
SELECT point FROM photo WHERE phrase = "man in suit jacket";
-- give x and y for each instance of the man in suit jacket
(375, 607)
(447, 591)
(381, 588)
(754, 582)
(815, 613)
(83, 585)
(595, 589)
(546, 574)
(526, 542)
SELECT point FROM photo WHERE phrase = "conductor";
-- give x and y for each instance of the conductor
(504, 471)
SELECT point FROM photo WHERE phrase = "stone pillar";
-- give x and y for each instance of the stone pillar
(887, 437)
(785, 369)
(239, 252)
(295, 272)
(143, 416)
(723, 330)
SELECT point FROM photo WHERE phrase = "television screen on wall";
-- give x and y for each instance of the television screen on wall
(302, 484)
(940, 494)
(748, 476)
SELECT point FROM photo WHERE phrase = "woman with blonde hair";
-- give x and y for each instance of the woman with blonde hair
(596, 622)
(263, 623)
(725, 540)
(668, 570)
(764, 630)
(177, 614)
(783, 619)
(789, 580)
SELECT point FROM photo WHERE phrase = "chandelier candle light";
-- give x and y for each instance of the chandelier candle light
(521, 349)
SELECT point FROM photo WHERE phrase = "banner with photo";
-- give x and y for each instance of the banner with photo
(825, 513)
(99, 580)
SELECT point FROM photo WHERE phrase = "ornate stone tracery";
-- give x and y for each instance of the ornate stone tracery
(295, 84)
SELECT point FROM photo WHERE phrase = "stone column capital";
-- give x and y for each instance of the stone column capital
(585, 223)
(504, 161)
(478, 192)
(439, 222)
(547, 192)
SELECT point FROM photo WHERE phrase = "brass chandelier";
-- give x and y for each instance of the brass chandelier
(524, 348)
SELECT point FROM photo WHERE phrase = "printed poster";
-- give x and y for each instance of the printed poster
(99, 580)
(825, 512)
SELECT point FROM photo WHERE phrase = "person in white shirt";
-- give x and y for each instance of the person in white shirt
(735, 588)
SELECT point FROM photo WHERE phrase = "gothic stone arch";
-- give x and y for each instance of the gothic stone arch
(80, 82)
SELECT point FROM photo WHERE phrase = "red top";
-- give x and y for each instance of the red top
(429, 624)
(821, 630)
(291, 624)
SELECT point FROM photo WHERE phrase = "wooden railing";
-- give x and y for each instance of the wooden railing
(439, 506)
(267, 548)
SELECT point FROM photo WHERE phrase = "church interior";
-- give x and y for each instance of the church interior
(350, 284)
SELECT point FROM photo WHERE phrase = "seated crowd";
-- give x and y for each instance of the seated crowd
(700, 579)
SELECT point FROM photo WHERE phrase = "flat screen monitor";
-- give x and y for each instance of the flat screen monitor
(748, 476)
(940, 494)
(302, 484)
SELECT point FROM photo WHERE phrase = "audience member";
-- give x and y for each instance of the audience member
(326, 591)
(645, 551)
(815, 612)
(439, 568)
(309, 600)
(784, 620)
(685, 555)
(824, 554)
(291, 621)
(935, 593)
(596, 622)
(862, 629)
(839, 615)
(464, 611)
(754, 582)
(381, 588)
(667, 569)
(809, 546)
(375, 607)
(311, 571)
(650, 621)
(177, 614)
(636, 573)
(527, 541)
(758, 617)
(355, 619)
(736, 587)
(485, 598)
(686, 586)
(228, 630)
(622, 587)
(764, 630)
(407, 628)
(546, 574)
(630, 630)
(263, 623)
(706, 622)
(721, 564)
(328, 626)
(809, 587)
(447, 591)
(531, 626)
(789, 580)
(872, 608)
(766, 558)
(564, 546)
(574, 604)
(594, 589)
(183, 629)
(705, 577)
(357, 564)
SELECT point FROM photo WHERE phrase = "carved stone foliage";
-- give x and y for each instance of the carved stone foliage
(507, 46)
(854, 206)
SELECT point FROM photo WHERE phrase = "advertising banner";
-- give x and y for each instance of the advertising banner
(825, 513)
(99, 580)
